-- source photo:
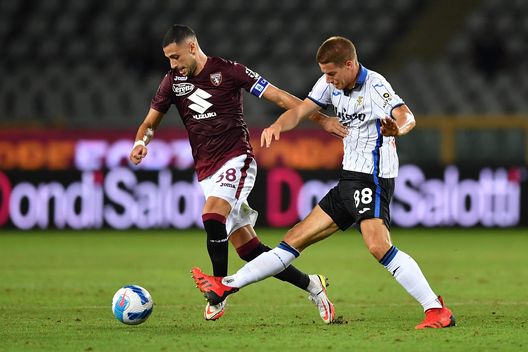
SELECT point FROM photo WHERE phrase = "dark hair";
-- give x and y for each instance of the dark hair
(337, 50)
(176, 34)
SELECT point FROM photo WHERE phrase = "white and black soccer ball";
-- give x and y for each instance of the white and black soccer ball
(132, 304)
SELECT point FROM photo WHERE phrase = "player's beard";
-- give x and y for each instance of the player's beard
(191, 69)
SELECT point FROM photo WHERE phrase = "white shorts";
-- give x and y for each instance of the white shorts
(233, 182)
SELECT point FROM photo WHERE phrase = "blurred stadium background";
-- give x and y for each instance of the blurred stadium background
(77, 78)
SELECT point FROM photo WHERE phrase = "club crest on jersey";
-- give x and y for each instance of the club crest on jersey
(359, 100)
(216, 78)
(182, 88)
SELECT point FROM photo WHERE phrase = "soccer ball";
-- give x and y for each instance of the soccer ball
(132, 304)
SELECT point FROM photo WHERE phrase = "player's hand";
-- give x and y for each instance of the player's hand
(333, 126)
(137, 154)
(268, 134)
(389, 127)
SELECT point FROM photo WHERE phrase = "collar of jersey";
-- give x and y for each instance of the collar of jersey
(361, 77)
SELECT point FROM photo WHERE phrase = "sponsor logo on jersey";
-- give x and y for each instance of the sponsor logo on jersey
(180, 78)
(386, 99)
(204, 116)
(199, 99)
(216, 78)
(182, 88)
(345, 118)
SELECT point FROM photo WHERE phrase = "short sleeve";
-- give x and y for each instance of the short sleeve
(249, 80)
(320, 93)
(384, 96)
(162, 100)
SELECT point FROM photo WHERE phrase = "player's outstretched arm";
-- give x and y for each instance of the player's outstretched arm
(402, 122)
(287, 121)
(144, 135)
(287, 101)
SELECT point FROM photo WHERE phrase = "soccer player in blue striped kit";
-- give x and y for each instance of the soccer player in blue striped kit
(366, 103)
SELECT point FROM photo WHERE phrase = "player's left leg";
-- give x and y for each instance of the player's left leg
(407, 272)
(249, 246)
(316, 226)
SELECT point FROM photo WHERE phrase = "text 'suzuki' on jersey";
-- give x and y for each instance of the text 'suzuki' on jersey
(210, 106)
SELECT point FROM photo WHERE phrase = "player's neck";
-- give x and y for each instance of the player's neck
(201, 60)
(354, 73)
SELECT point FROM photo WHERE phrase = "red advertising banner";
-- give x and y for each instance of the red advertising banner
(105, 149)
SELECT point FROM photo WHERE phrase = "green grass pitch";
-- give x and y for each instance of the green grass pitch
(56, 290)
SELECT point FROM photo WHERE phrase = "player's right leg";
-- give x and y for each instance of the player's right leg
(407, 272)
(215, 212)
(214, 215)
(222, 191)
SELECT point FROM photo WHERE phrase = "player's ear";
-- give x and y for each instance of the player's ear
(192, 47)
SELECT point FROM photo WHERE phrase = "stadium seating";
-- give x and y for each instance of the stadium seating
(80, 62)
(483, 70)
(84, 62)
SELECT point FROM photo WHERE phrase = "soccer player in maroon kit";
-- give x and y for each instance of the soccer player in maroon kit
(207, 93)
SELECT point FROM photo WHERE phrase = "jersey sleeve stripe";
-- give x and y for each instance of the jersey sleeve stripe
(318, 102)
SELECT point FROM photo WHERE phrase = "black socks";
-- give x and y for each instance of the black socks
(217, 243)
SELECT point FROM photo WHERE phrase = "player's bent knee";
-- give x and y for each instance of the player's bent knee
(242, 236)
(292, 235)
(216, 205)
(295, 239)
(378, 250)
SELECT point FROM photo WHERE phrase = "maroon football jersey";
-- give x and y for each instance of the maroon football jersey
(210, 105)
